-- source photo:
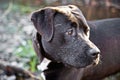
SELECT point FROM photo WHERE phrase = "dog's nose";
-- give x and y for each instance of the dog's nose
(94, 53)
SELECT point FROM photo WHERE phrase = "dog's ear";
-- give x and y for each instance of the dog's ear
(43, 22)
(38, 46)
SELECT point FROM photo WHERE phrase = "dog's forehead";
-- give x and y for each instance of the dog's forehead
(73, 13)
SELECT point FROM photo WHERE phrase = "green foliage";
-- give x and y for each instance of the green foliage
(22, 8)
(25, 50)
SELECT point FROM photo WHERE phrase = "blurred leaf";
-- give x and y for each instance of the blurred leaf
(33, 63)
(25, 50)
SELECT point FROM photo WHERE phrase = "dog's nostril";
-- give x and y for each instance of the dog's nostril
(94, 53)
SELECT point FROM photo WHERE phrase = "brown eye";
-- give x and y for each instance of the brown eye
(69, 32)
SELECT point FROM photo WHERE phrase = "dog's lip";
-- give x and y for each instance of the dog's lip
(68, 65)
(93, 63)
(96, 60)
(78, 67)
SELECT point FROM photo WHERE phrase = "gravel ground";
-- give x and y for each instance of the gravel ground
(15, 29)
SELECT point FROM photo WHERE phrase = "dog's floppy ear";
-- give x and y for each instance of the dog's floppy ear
(38, 46)
(43, 22)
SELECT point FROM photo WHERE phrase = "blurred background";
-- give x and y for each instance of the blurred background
(16, 31)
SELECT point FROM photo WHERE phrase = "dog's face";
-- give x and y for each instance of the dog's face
(64, 36)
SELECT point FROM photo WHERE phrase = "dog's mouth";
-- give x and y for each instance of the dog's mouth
(96, 60)
(93, 62)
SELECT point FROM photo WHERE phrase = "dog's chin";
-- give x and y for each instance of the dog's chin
(74, 66)
(77, 66)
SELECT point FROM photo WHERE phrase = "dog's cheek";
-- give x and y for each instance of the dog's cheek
(59, 40)
(52, 48)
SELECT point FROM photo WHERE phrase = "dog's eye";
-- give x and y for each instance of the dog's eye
(71, 32)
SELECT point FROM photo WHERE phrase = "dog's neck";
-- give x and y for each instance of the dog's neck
(57, 71)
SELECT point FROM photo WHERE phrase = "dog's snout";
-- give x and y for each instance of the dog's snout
(94, 53)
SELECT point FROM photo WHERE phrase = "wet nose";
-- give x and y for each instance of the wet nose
(94, 53)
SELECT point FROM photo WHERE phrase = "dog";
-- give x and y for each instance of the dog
(62, 35)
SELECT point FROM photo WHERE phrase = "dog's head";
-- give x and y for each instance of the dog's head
(63, 36)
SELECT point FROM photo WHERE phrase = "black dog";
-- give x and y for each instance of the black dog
(105, 34)
(63, 36)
